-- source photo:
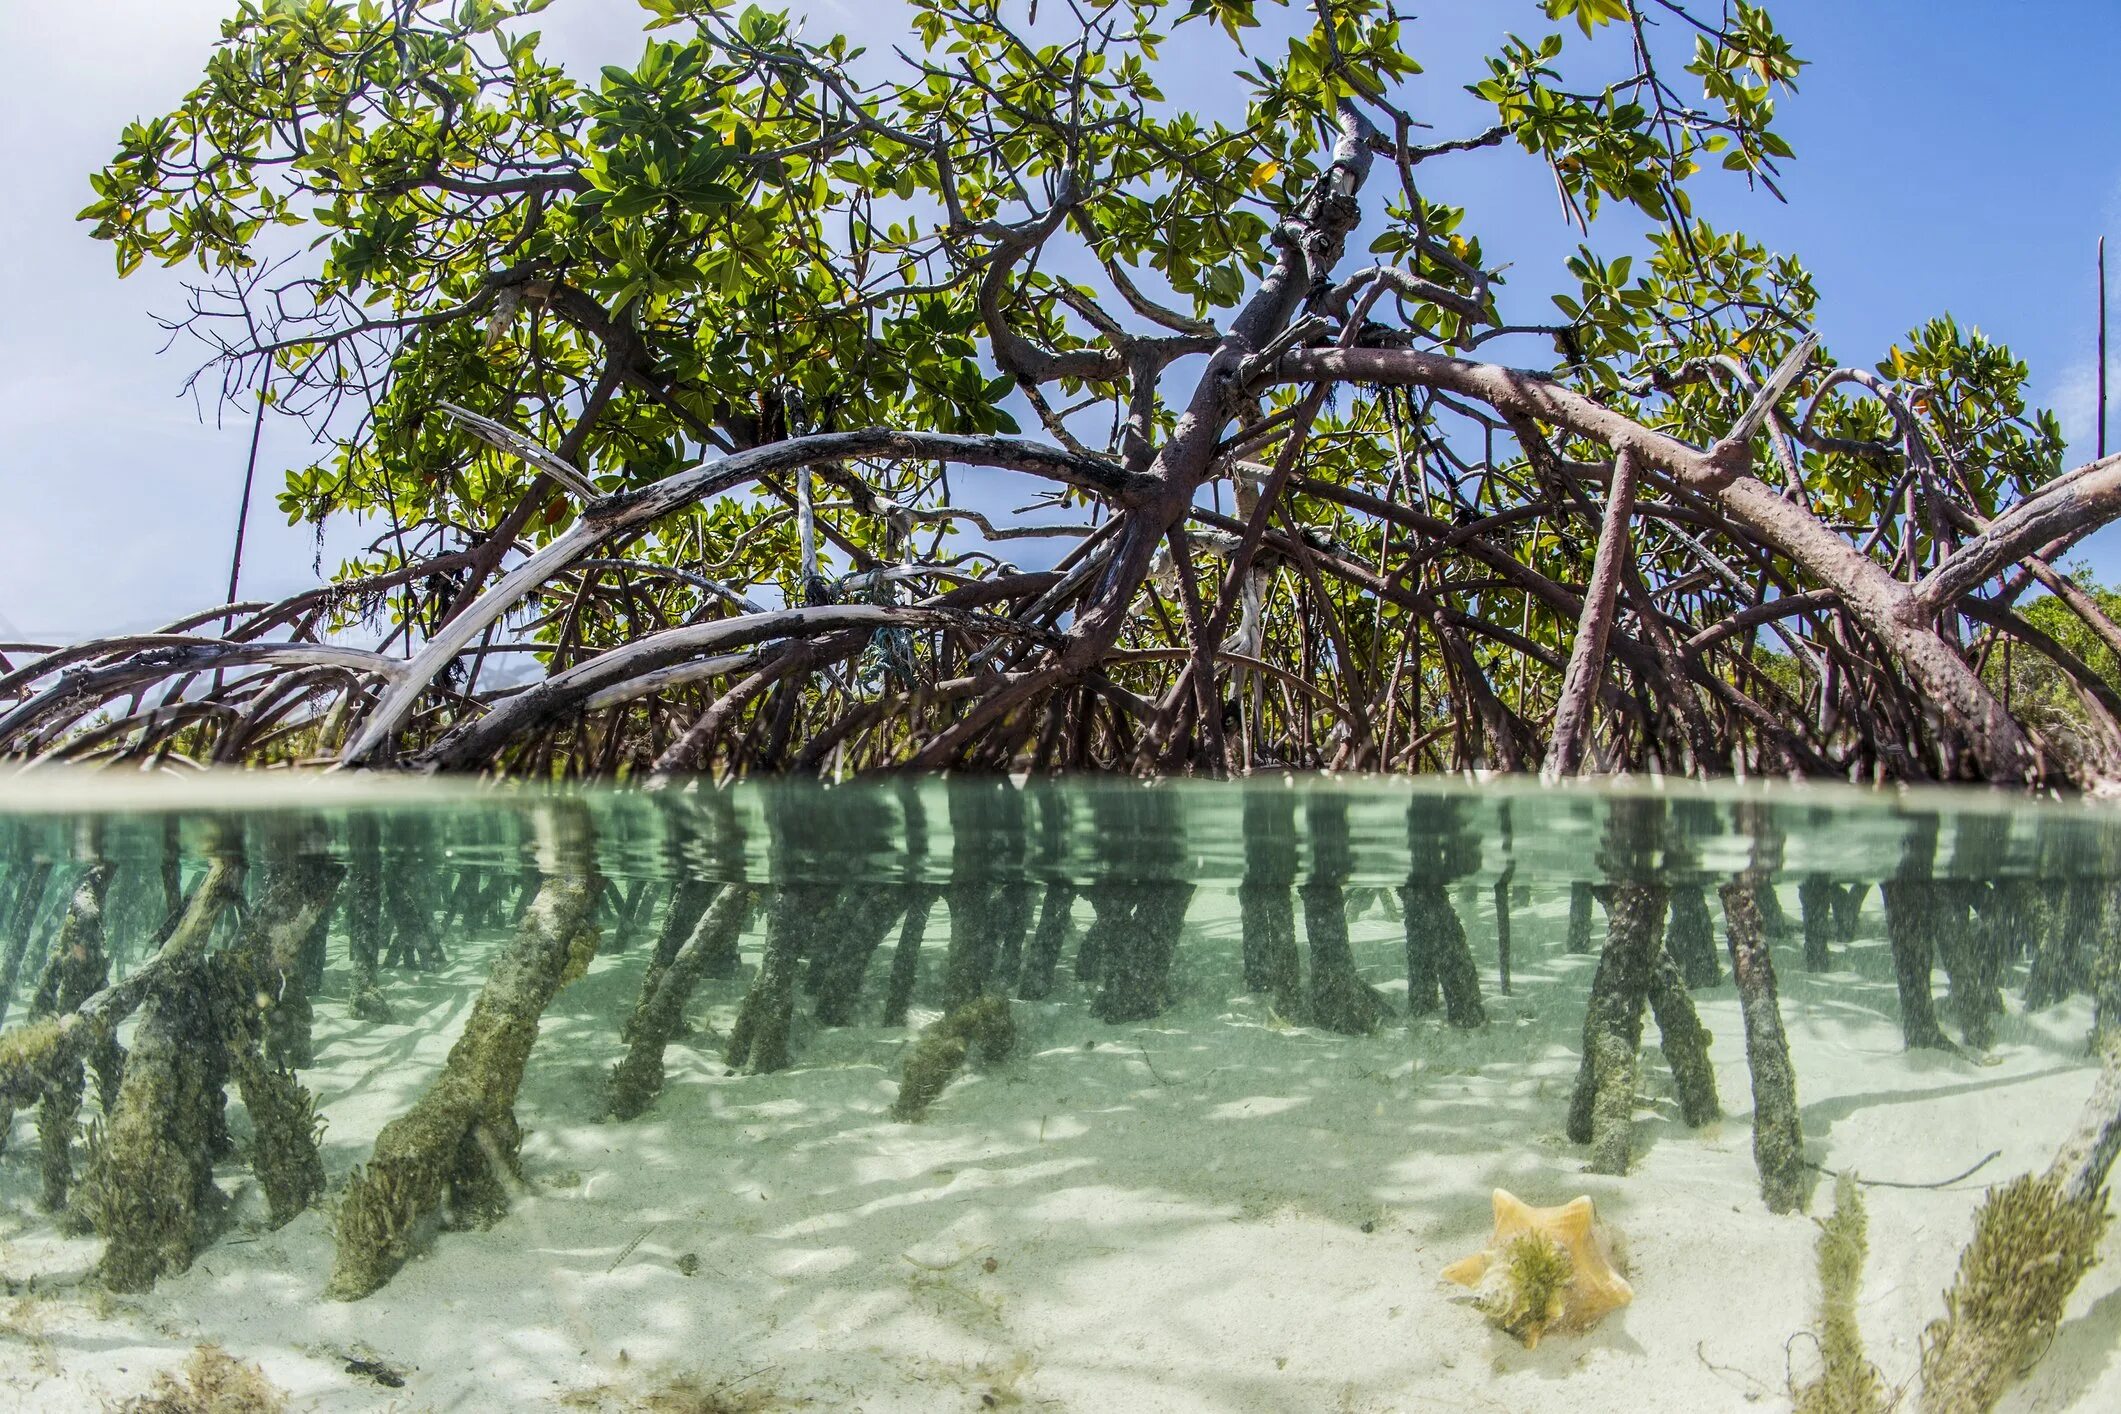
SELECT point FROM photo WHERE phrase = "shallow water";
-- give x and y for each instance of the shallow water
(1085, 830)
(1269, 1046)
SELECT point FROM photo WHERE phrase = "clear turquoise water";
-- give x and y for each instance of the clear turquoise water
(1273, 943)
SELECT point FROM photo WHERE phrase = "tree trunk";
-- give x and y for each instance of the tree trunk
(1579, 684)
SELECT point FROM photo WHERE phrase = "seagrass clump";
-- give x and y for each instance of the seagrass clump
(2032, 1244)
(983, 1029)
(1848, 1382)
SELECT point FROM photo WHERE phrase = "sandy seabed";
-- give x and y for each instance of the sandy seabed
(1211, 1211)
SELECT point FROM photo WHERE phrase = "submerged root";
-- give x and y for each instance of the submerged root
(456, 1147)
(147, 1214)
(759, 1041)
(56, 1122)
(1140, 934)
(984, 1029)
(934, 1063)
(638, 1077)
(1616, 1069)
(284, 1128)
(25, 1050)
(148, 1184)
(1579, 932)
(1690, 936)
(1602, 1107)
(1440, 966)
(2032, 1244)
(1848, 1382)
(1685, 1042)
(1340, 1000)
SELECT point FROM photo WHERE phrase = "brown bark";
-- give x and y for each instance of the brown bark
(1579, 688)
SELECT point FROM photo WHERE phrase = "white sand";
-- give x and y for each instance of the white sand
(1208, 1212)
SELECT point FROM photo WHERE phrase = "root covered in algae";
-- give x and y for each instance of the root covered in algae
(1778, 1132)
(284, 1129)
(2034, 1239)
(2032, 1243)
(984, 1028)
(212, 1382)
(759, 1040)
(1848, 1383)
(77, 969)
(1267, 900)
(25, 1049)
(148, 1187)
(1440, 966)
(455, 1144)
(364, 918)
(1635, 971)
(1690, 935)
(638, 1077)
(1602, 1108)
(148, 1184)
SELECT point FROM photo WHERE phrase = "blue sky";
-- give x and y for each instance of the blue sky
(1952, 156)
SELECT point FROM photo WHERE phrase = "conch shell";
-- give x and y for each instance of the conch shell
(1543, 1269)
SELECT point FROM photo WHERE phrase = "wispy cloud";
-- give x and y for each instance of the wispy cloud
(2076, 396)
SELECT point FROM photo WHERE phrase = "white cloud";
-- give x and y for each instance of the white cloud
(2075, 401)
(2075, 395)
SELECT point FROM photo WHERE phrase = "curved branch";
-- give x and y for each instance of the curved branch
(634, 509)
(2091, 497)
(1950, 687)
